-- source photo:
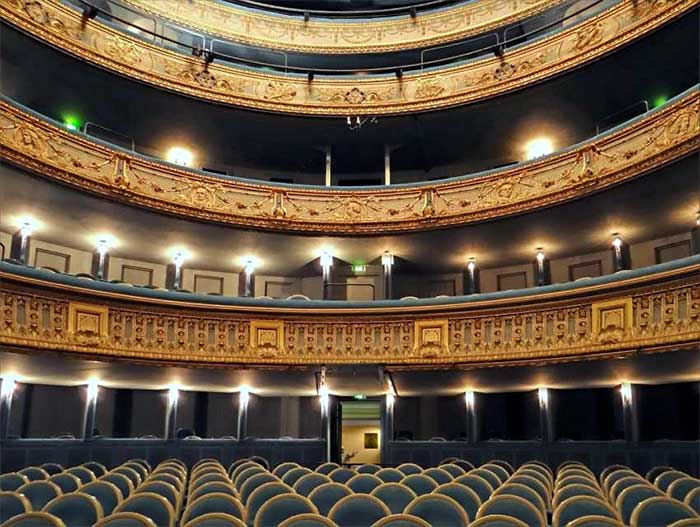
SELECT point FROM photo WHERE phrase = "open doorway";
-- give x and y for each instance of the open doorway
(360, 438)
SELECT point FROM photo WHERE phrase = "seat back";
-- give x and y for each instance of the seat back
(454, 470)
(465, 465)
(305, 484)
(130, 473)
(680, 488)
(214, 502)
(12, 481)
(85, 475)
(500, 472)
(655, 471)
(503, 464)
(364, 483)
(409, 468)
(292, 476)
(327, 495)
(98, 469)
(34, 473)
(168, 491)
(281, 469)
(75, 509)
(518, 489)
(215, 519)
(574, 490)
(358, 509)
(489, 476)
(52, 468)
(420, 484)
(12, 504)
(437, 510)
(534, 483)
(125, 519)
(478, 484)
(151, 505)
(66, 482)
(514, 506)
(692, 500)
(282, 507)
(631, 496)
(263, 493)
(580, 506)
(439, 475)
(106, 493)
(395, 496)
(595, 521)
(368, 468)
(34, 519)
(390, 475)
(466, 497)
(660, 511)
(498, 520)
(342, 475)
(402, 520)
(120, 481)
(326, 468)
(214, 486)
(664, 480)
(39, 493)
(253, 483)
(308, 520)
(623, 483)
(576, 479)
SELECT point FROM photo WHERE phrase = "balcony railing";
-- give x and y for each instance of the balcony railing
(651, 309)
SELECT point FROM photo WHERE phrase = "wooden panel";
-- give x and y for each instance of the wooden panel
(137, 275)
(672, 251)
(589, 269)
(208, 284)
(52, 259)
(512, 281)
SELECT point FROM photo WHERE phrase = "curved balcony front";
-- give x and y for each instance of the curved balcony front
(652, 309)
(659, 137)
(304, 93)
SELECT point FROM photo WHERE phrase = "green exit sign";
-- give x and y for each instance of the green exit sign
(359, 268)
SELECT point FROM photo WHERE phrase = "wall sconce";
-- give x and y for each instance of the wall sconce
(9, 382)
(543, 396)
(390, 400)
(244, 396)
(469, 399)
(626, 393)
(93, 388)
(323, 398)
(387, 259)
(173, 394)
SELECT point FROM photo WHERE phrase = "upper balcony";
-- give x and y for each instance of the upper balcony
(480, 74)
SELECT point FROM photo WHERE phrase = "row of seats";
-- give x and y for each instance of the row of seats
(248, 494)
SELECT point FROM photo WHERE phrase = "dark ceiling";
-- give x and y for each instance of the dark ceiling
(58, 368)
(426, 146)
(653, 206)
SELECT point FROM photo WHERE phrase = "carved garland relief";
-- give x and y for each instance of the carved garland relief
(475, 80)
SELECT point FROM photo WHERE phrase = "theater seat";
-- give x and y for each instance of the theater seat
(342, 475)
(368, 468)
(153, 506)
(574, 490)
(34, 519)
(12, 481)
(466, 497)
(214, 502)
(308, 520)
(249, 486)
(517, 489)
(168, 491)
(327, 495)
(305, 484)
(660, 511)
(631, 497)
(281, 469)
(652, 474)
(292, 476)
(66, 482)
(326, 468)
(680, 488)
(439, 475)
(125, 519)
(364, 483)
(75, 509)
(281, 508)
(579, 506)
(39, 493)
(409, 468)
(98, 469)
(262, 494)
(215, 519)
(13, 504)
(120, 481)
(83, 474)
(664, 480)
(358, 509)
(395, 496)
(402, 520)
(390, 475)
(514, 506)
(214, 486)
(478, 484)
(493, 479)
(34, 474)
(595, 521)
(692, 500)
(52, 468)
(420, 484)
(498, 520)
(453, 470)
(438, 510)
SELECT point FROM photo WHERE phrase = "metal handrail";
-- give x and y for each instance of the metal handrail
(348, 71)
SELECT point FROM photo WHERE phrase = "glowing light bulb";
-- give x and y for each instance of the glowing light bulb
(471, 265)
(387, 259)
(540, 256)
(538, 147)
(92, 389)
(543, 396)
(180, 156)
(469, 398)
(173, 394)
(9, 383)
(617, 241)
(244, 395)
(626, 392)
(390, 399)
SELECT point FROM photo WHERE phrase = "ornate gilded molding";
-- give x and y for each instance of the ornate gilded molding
(659, 138)
(258, 28)
(127, 55)
(659, 310)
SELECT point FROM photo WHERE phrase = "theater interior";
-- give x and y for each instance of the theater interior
(349, 263)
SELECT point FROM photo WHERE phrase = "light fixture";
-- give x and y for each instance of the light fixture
(540, 256)
(660, 101)
(71, 122)
(179, 156)
(104, 242)
(387, 259)
(469, 399)
(390, 399)
(173, 393)
(250, 263)
(358, 268)
(359, 396)
(92, 389)
(27, 225)
(617, 241)
(244, 396)
(179, 258)
(697, 218)
(326, 259)
(323, 398)
(626, 393)
(538, 147)
(471, 264)
(9, 383)
(543, 396)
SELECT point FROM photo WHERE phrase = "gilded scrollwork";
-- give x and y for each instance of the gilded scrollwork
(654, 311)
(320, 35)
(462, 83)
(655, 140)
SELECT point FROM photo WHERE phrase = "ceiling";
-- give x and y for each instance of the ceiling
(56, 368)
(653, 206)
(424, 146)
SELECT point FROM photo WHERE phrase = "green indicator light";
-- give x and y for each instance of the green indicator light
(359, 268)
(359, 397)
(659, 101)
(71, 122)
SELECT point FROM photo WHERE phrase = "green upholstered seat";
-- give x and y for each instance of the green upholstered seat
(104, 492)
(39, 493)
(358, 510)
(34, 473)
(250, 485)
(390, 475)
(263, 493)
(326, 468)
(281, 469)
(12, 481)
(478, 484)
(439, 475)
(631, 497)
(214, 502)
(153, 506)
(292, 476)
(66, 482)
(660, 511)
(420, 484)
(342, 475)
(162, 488)
(454, 470)
(35, 519)
(75, 509)
(125, 519)
(580, 506)
(368, 468)
(364, 483)
(85, 475)
(395, 496)
(13, 504)
(466, 497)
(514, 506)
(98, 469)
(327, 495)
(409, 468)
(280, 508)
(438, 510)
(308, 482)
(123, 483)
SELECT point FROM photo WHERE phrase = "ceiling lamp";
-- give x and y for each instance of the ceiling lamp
(538, 147)
(180, 156)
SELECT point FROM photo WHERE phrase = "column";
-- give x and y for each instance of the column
(387, 165)
(620, 254)
(387, 429)
(171, 413)
(387, 264)
(90, 409)
(542, 273)
(7, 389)
(472, 421)
(629, 412)
(471, 280)
(243, 400)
